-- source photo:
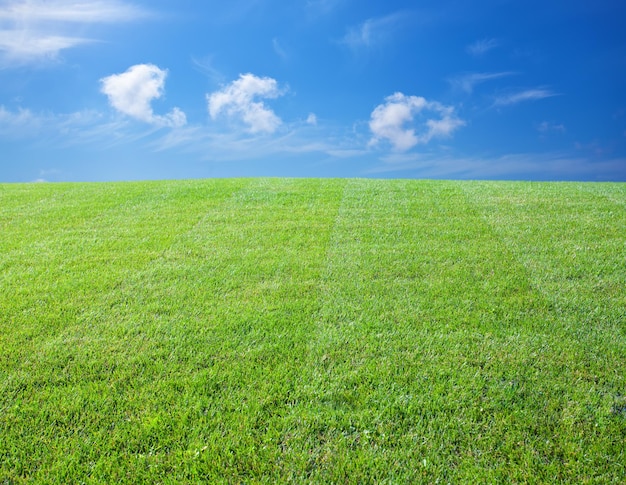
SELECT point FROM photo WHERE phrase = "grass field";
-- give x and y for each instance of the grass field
(313, 331)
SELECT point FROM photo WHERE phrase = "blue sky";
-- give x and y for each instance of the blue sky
(494, 89)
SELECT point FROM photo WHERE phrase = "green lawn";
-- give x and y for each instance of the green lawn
(313, 331)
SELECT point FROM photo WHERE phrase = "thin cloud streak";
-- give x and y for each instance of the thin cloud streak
(547, 127)
(467, 82)
(219, 146)
(18, 124)
(322, 7)
(69, 11)
(279, 49)
(31, 31)
(215, 143)
(65, 129)
(24, 47)
(516, 166)
(521, 96)
(373, 31)
(482, 46)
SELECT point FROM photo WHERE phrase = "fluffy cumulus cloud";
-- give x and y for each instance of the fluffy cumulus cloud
(395, 121)
(34, 29)
(241, 100)
(133, 91)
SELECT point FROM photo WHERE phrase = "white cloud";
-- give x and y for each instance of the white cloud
(444, 126)
(238, 101)
(389, 121)
(373, 31)
(31, 30)
(482, 46)
(467, 82)
(17, 47)
(69, 11)
(133, 91)
(311, 119)
(521, 96)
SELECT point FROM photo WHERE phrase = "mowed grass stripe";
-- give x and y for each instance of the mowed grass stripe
(87, 243)
(571, 238)
(56, 307)
(255, 263)
(613, 191)
(428, 334)
(191, 341)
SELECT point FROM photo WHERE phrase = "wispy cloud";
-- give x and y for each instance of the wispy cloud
(322, 7)
(482, 46)
(133, 91)
(301, 139)
(514, 166)
(547, 127)
(373, 31)
(239, 101)
(26, 124)
(279, 49)
(467, 82)
(522, 96)
(18, 124)
(19, 48)
(305, 139)
(394, 121)
(69, 11)
(206, 66)
(31, 30)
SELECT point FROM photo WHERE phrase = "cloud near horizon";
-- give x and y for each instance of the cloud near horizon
(239, 101)
(389, 121)
(133, 91)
